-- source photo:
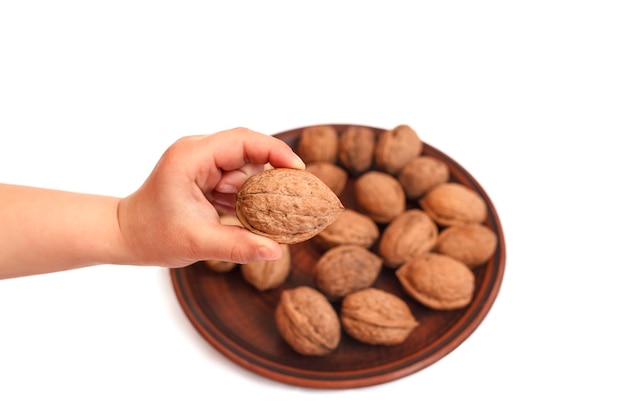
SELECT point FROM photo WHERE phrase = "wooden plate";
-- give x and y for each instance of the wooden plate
(238, 320)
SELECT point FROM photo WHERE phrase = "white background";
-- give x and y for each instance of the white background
(528, 96)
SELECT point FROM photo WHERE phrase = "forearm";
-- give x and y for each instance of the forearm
(44, 230)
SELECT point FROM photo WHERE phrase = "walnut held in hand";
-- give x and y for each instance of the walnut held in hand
(286, 205)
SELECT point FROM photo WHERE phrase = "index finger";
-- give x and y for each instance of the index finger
(234, 148)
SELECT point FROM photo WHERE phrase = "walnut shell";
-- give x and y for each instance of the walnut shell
(332, 175)
(350, 228)
(396, 147)
(345, 269)
(437, 281)
(318, 143)
(380, 196)
(472, 244)
(356, 148)
(286, 205)
(377, 317)
(265, 275)
(410, 233)
(421, 174)
(451, 203)
(307, 321)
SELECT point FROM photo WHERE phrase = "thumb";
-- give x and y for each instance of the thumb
(239, 245)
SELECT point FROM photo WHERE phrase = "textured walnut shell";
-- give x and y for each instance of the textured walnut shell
(356, 148)
(422, 173)
(318, 143)
(307, 321)
(437, 281)
(396, 147)
(410, 233)
(380, 196)
(265, 275)
(345, 269)
(472, 244)
(217, 265)
(377, 317)
(350, 228)
(286, 205)
(332, 175)
(452, 204)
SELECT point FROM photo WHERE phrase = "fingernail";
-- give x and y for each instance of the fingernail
(226, 188)
(298, 162)
(265, 253)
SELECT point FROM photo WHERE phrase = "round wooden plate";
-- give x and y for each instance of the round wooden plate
(238, 320)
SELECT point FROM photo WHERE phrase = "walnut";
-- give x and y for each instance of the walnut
(396, 147)
(472, 244)
(345, 269)
(332, 175)
(377, 317)
(318, 143)
(286, 205)
(380, 196)
(421, 174)
(350, 228)
(437, 281)
(265, 275)
(451, 203)
(356, 148)
(410, 233)
(307, 321)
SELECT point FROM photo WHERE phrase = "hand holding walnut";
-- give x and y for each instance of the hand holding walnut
(171, 220)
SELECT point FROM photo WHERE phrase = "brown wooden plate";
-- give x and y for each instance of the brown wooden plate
(238, 320)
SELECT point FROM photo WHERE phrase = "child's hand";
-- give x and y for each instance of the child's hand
(172, 220)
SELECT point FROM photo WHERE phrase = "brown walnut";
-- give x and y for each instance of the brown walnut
(356, 148)
(396, 147)
(350, 228)
(307, 321)
(472, 244)
(345, 269)
(318, 143)
(377, 317)
(421, 174)
(332, 175)
(380, 196)
(437, 281)
(286, 205)
(452, 203)
(410, 233)
(265, 275)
